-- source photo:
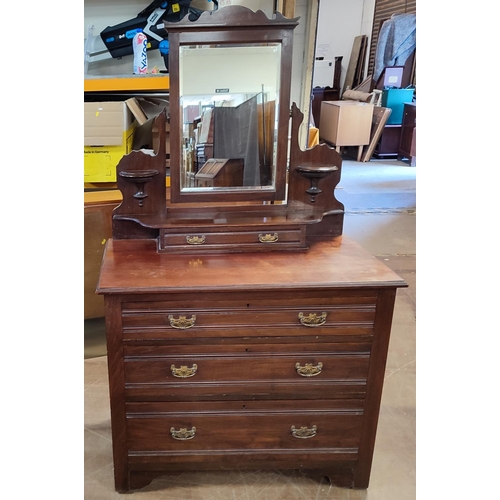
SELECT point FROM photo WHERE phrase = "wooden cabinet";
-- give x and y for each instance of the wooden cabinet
(346, 123)
(243, 332)
(224, 172)
(246, 360)
(407, 146)
(388, 144)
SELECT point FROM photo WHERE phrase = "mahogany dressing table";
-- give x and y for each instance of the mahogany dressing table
(243, 330)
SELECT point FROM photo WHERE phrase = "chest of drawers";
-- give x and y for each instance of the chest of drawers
(245, 361)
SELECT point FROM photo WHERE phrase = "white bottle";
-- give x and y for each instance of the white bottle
(139, 44)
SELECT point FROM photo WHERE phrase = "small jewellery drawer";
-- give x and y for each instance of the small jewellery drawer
(226, 368)
(266, 238)
(244, 429)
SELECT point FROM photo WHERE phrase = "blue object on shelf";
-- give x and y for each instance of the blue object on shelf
(395, 100)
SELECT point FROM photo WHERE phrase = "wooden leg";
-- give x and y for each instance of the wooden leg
(360, 153)
(342, 477)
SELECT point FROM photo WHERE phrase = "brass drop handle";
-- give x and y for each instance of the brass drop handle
(182, 322)
(268, 238)
(308, 370)
(195, 240)
(312, 319)
(184, 371)
(183, 434)
(304, 432)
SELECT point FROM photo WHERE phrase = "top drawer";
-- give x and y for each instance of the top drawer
(263, 238)
(326, 313)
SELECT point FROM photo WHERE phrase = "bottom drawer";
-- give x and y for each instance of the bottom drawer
(245, 429)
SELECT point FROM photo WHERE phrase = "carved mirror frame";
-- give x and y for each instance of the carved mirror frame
(301, 209)
(231, 25)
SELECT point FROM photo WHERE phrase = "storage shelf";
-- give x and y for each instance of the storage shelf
(99, 197)
(133, 83)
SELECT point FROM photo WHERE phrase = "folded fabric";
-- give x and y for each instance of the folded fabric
(396, 41)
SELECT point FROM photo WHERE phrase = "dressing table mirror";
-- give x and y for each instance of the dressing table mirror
(238, 179)
(236, 113)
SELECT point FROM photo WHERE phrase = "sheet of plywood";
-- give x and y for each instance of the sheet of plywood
(379, 119)
(360, 66)
(365, 85)
(357, 50)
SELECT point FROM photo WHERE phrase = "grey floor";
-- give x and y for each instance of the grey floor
(380, 203)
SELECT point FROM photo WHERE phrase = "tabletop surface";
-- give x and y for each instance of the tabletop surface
(134, 266)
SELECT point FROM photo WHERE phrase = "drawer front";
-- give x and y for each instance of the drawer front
(285, 316)
(194, 368)
(260, 237)
(243, 430)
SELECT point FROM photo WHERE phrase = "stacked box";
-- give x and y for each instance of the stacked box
(108, 136)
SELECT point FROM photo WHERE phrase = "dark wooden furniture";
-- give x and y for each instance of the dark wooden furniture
(245, 361)
(295, 208)
(242, 330)
(327, 93)
(388, 144)
(220, 173)
(407, 146)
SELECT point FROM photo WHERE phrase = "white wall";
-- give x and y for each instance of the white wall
(299, 42)
(340, 21)
(250, 69)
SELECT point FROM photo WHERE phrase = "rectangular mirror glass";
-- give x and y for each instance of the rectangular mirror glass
(229, 108)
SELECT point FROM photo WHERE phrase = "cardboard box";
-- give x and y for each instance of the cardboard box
(136, 110)
(108, 136)
(145, 110)
(346, 123)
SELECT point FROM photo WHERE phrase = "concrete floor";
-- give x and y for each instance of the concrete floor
(380, 202)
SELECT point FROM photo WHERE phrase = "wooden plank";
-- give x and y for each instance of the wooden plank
(380, 117)
(360, 66)
(286, 7)
(365, 85)
(353, 62)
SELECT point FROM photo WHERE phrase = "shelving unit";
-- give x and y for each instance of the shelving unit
(128, 83)
(122, 87)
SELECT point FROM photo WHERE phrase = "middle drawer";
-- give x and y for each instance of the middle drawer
(243, 367)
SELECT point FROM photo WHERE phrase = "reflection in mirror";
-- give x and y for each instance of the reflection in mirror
(229, 108)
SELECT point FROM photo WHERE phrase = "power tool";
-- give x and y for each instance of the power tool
(118, 38)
